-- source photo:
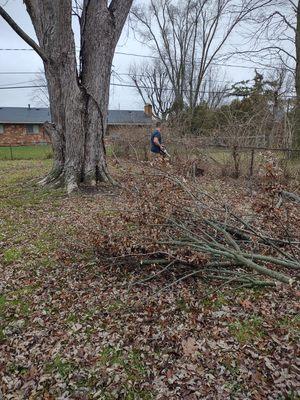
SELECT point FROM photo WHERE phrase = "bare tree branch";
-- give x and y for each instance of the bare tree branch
(154, 87)
(185, 35)
(22, 34)
(267, 49)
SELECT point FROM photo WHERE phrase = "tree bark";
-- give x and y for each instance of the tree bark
(96, 60)
(78, 96)
(297, 83)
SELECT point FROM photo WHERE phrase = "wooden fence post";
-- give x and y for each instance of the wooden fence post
(251, 163)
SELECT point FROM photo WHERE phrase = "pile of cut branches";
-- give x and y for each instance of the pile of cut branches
(238, 250)
(182, 229)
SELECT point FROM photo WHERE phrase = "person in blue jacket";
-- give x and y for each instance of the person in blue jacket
(156, 140)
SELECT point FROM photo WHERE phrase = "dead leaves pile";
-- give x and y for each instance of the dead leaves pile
(71, 329)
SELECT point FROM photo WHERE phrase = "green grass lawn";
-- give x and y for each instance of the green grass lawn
(35, 152)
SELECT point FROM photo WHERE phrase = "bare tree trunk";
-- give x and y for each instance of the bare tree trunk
(68, 126)
(96, 61)
(52, 24)
(297, 82)
(78, 100)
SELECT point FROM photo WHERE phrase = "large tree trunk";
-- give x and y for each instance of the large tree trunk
(78, 100)
(297, 83)
(98, 41)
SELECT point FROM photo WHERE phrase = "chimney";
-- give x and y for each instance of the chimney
(148, 110)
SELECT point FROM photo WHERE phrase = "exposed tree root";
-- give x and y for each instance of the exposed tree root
(58, 178)
(54, 176)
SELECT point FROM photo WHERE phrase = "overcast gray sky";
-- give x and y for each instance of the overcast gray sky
(12, 62)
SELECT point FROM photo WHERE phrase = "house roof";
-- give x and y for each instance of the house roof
(25, 115)
(128, 117)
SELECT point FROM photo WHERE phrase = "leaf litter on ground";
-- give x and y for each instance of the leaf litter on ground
(73, 325)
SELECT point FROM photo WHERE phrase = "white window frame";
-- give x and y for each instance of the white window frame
(1, 129)
(35, 129)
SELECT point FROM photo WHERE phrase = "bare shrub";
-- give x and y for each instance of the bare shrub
(194, 156)
(129, 143)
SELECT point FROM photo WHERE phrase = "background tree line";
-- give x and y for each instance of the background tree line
(189, 40)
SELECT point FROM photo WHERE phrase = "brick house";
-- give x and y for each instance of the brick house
(21, 126)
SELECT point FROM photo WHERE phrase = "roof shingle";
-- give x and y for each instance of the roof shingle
(26, 115)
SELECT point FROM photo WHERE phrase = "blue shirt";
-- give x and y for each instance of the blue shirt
(154, 147)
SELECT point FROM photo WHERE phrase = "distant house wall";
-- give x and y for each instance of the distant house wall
(22, 134)
(24, 125)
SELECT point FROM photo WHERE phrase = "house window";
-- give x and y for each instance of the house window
(1, 128)
(32, 129)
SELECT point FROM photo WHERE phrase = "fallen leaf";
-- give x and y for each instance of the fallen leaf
(190, 347)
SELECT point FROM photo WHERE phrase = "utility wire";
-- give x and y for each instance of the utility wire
(16, 83)
(158, 58)
(128, 86)
(116, 75)
(21, 73)
(112, 84)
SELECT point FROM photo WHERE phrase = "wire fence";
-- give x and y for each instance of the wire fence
(187, 157)
(139, 148)
(25, 152)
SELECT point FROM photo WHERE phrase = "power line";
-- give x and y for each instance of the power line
(22, 87)
(16, 83)
(147, 76)
(158, 58)
(11, 49)
(45, 86)
(111, 84)
(116, 75)
(21, 73)
(125, 85)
